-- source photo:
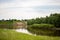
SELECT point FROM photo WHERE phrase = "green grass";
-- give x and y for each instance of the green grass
(42, 26)
(7, 34)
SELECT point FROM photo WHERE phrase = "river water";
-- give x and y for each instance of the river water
(24, 31)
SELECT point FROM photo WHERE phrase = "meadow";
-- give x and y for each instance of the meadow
(8, 34)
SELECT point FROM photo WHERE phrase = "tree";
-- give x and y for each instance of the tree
(55, 19)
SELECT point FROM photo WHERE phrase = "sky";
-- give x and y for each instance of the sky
(28, 9)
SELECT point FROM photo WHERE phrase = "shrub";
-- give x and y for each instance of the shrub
(42, 26)
(41, 29)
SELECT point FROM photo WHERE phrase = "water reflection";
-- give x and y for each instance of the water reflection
(23, 30)
(35, 32)
(45, 32)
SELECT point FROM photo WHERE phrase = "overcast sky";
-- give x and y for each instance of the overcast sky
(27, 9)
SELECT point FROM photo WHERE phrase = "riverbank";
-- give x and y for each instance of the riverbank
(7, 34)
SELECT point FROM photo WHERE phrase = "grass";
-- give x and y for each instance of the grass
(7, 34)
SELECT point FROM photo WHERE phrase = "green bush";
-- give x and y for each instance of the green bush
(41, 29)
(42, 26)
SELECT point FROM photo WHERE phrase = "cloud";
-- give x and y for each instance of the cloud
(4, 1)
(28, 3)
(25, 9)
(19, 13)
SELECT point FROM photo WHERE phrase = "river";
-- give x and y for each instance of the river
(24, 31)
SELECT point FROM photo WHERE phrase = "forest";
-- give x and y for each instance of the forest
(53, 19)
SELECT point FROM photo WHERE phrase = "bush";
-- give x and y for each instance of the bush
(41, 29)
(42, 26)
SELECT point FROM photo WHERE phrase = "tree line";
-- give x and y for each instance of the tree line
(53, 19)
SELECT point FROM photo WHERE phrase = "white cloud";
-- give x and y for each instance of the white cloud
(19, 13)
(23, 9)
(29, 3)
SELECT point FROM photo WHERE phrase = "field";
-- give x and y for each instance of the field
(8, 34)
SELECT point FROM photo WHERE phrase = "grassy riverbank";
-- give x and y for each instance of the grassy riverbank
(7, 34)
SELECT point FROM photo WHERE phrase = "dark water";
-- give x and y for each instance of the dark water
(47, 32)
(40, 32)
